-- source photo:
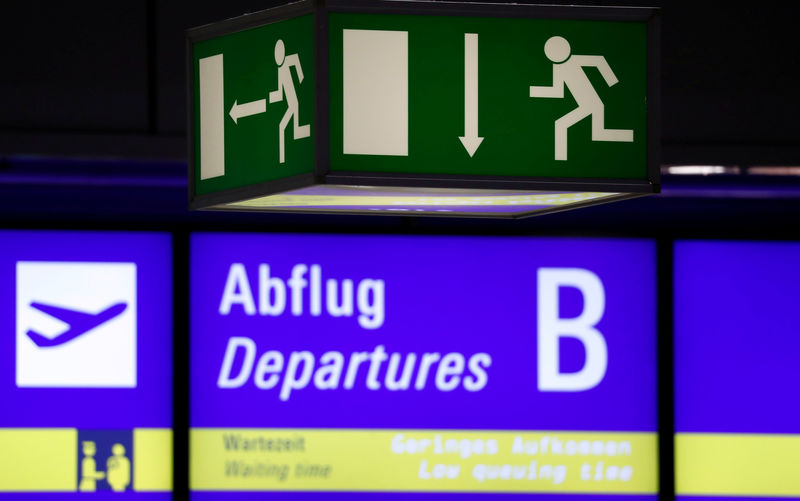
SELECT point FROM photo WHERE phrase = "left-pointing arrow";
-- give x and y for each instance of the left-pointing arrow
(246, 109)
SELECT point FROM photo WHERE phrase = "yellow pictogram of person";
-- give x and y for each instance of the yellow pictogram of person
(119, 469)
(89, 473)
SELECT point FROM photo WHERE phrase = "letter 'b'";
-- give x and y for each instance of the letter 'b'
(551, 327)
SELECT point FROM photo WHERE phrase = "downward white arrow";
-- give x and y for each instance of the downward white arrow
(246, 109)
(470, 139)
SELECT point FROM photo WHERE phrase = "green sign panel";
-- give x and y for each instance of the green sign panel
(539, 100)
(254, 105)
(488, 96)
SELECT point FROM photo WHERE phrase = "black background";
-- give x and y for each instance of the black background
(90, 68)
(106, 81)
(93, 135)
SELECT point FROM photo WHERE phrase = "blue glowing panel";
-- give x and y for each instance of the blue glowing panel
(737, 342)
(360, 363)
(86, 365)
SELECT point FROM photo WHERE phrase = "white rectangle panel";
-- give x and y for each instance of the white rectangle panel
(375, 92)
(212, 117)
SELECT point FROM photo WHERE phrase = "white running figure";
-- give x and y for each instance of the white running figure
(568, 71)
(286, 89)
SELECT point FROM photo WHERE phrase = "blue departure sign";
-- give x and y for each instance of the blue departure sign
(421, 364)
(86, 365)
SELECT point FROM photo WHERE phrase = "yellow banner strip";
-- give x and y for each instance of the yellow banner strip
(46, 459)
(737, 464)
(152, 459)
(38, 459)
(270, 459)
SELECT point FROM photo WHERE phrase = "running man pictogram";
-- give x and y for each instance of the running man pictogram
(287, 91)
(568, 71)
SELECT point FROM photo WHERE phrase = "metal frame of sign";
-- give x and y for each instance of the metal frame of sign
(626, 188)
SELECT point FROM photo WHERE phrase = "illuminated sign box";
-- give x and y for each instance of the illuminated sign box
(86, 379)
(737, 420)
(510, 365)
(500, 110)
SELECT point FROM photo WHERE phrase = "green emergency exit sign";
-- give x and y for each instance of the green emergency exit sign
(254, 97)
(408, 104)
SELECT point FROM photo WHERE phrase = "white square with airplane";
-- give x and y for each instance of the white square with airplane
(76, 324)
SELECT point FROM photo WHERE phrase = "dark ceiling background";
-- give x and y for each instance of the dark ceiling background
(92, 133)
(730, 75)
(106, 80)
